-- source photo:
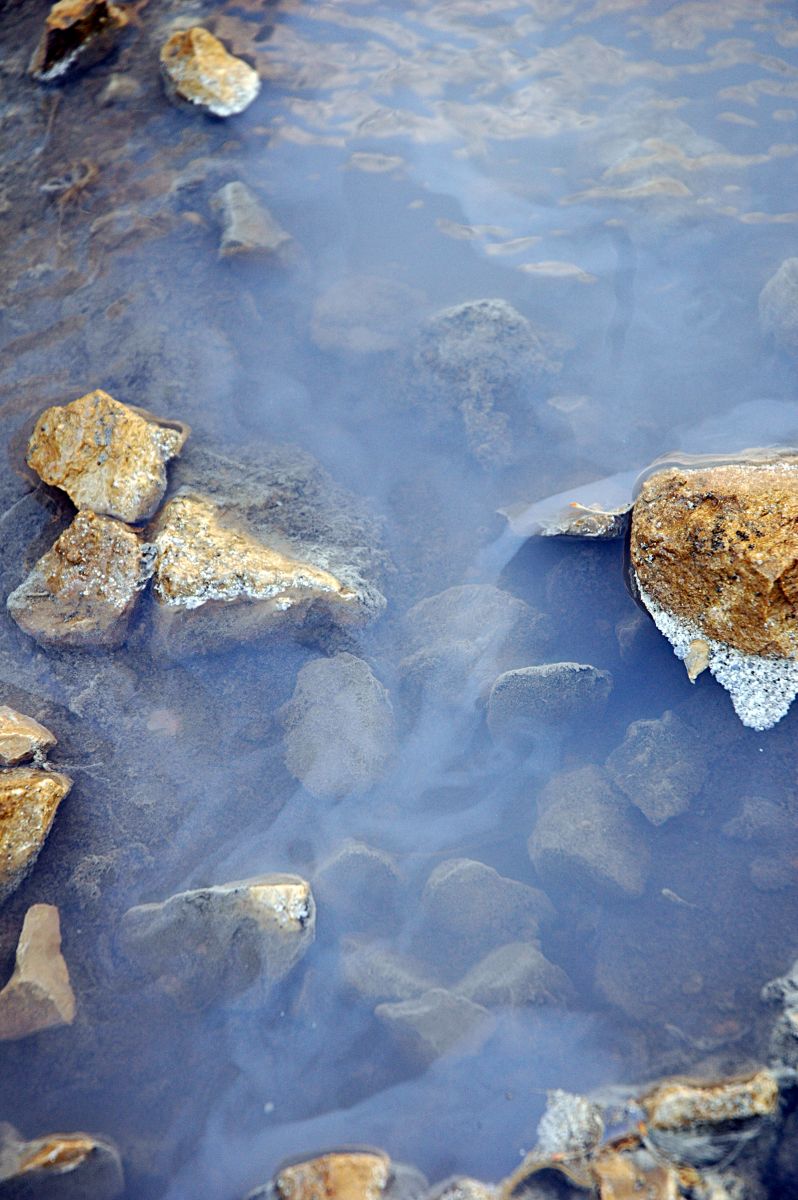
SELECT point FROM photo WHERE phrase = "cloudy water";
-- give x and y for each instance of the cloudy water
(500, 251)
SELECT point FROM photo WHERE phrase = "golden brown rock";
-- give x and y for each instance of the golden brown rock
(77, 33)
(29, 799)
(21, 737)
(343, 1175)
(197, 68)
(622, 1177)
(71, 1166)
(82, 592)
(38, 995)
(106, 456)
(678, 1104)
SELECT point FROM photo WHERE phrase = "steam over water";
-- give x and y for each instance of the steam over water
(621, 175)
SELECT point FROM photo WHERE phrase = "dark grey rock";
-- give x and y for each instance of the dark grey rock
(778, 306)
(359, 888)
(552, 694)
(376, 973)
(660, 766)
(434, 1024)
(516, 974)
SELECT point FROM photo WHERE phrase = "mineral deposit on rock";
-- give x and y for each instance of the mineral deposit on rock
(462, 1187)
(197, 69)
(106, 456)
(213, 943)
(29, 799)
(678, 1104)
(435, 1023)
(778, 305)
(358, 886)
(38, 995)
(248, 229)
(66, 1166)
(77, 33)
(338, 1175)
(21, 737)
(82, 592)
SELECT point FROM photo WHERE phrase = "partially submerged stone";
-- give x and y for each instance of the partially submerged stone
(83, 591)
(435, 1024)
(38, 995)
(248, 228)
(108, 457)
(21, 737)
(77, 34)
(197, 69)
(338, 1175)
(571, 1126)
(631, 1176)
(29, 799)
(59, 1166)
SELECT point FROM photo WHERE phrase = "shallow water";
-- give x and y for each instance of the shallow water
(622, 174)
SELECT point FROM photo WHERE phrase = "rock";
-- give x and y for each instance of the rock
(338, 1175)
(119, 89)
(38, 995)
(339, 728)
(21, 737)
(358, 887)
(29, 799)
(660, 766)
(571, 1126)
(83, 591)
(586, 835)
(778, 306)
(517, 974)
(216, 584)
(628, 1176)
(77, 34)
(59, 1166)
(760, 819)
(248, 229)
(196, 68)
(784, 1036)
(772, 874)
(363, 315)
(434, 1024)
(107, 456)
(554, 694)
(211, 944)
(376, 973)
(461, 1187)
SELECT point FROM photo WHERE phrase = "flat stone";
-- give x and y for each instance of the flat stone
(339, 1175)
(339, 734)
(358, 886)
(248, 228)
(83, 591)
(59, 1166)
(660, 766)
(77, 34)
(434, 1023)
(376, 973)
(552, 694)
(29, 799)
(108, 457)
(21, 737)
(778, 306)
(197, 69)
(517, 974)
(38, 995)
(587, 834)
(212, 944)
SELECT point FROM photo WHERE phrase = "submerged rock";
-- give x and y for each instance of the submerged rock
(21, 737)
(82, 592)
(358, 886)
(248, 229)
(38, 995)
(29, 800)
(551, 694)
(778, 306)
(338, 1175)
(197, 69)
(211, 944)
(362, 315)
(77, 34)
(434, 1023)
(516, 974)
(107, 456)
(660, 766)
(59, 1166)
(376, 973)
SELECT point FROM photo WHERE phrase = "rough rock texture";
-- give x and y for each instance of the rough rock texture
(588, 834)
(21, 737)
(106, 456)
(248, 229)
(516, 974)
(59, 1166)
(376, 973)
(554, 694)
(339, 727)
(340, 1175)
(778, 305)
(82, 592)
(462, 1187)
(196, 68)
(435, 1023)
(211, 944)
(38, 995)
(660, 766)
(358, 887)
(675, 1104)
(571, 1126)
(77, 33)
(29, 799)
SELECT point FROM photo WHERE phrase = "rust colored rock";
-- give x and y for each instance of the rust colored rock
(679, 1104)
(196, 68)
(343, 1175)
(38, 995)
(21, 737)
(624, 1177)
(82, 592)
(106, 456)
(77, 34)
(71, 1166)
(29, 799)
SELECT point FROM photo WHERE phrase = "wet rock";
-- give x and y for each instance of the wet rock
(660, 766)
(778, 306)
(107, 456)
(784, 1037)
(216, 584)
(120, 89)
(359, 887)
(38, 995)
(339, 734)
(759, 819)
(248, 229)
(29, 799)
(632, 1175)
(516, 974)
(376, 973)
(363, 315)
(212, 944)
(339, 1175)
(434, 1024)
(552, 694)
(77, 34)
(587, 834)
(83, 591)
(21, 737)
(58, 1166)
(571, 1126)
(461, 1187)
(197, 69)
